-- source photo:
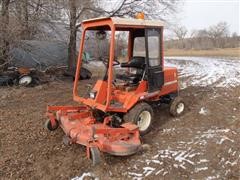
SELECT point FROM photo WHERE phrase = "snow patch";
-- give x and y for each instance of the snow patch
(203, 111)
(204, 71)
(223, 139)
(189, 155)
(135, 174)
(84, 175)
(200, 169)
(148, 170)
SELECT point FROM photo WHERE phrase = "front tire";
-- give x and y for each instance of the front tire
(142, 116)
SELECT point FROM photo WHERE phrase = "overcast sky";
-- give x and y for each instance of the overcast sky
(198, 14)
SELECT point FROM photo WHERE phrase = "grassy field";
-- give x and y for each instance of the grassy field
(228, 52)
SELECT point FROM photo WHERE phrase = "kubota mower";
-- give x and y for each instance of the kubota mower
(119, 107)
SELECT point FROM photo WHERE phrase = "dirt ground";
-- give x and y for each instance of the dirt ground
(203, 143)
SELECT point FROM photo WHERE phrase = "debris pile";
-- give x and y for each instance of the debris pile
(38, 62)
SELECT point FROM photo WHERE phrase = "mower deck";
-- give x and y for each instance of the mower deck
(82, 128)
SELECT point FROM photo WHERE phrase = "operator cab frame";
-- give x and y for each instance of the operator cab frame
(151, 55)
(152, 81)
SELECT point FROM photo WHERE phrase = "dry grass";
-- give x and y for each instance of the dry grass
(228, 52)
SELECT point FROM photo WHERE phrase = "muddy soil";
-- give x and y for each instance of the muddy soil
(204, 143)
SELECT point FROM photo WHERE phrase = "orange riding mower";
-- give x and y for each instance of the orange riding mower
(119, 108)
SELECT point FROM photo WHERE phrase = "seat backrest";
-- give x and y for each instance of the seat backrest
(135, 62)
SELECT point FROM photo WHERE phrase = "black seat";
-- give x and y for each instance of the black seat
(137, 62)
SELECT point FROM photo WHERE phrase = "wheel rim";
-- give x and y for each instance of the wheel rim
(25, 80)
(180, 108)
(144, 120)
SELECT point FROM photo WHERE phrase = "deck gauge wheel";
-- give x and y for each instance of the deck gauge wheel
(48, 125)
(95, 156)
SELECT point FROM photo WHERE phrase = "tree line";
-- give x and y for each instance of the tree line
(215, 36)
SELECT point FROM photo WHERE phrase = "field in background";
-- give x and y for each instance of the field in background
(228, 52)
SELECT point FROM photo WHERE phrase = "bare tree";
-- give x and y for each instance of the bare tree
(4, 34)
(159, 9)
(21, 9)
(77, 11)
(219, 30)
(217, 33)
(180, 32)
(73, 34)
(202, 40)
(24, 6)
(234, 34)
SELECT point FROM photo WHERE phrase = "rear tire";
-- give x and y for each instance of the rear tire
(142, 116)
(177, 107)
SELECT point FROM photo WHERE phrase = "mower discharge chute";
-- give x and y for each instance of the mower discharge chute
(118, 108)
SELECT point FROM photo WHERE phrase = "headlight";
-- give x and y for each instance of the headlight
(92, 94)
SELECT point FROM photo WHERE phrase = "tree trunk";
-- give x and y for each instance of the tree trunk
(22, 15)
(73, 35)
(4, 56)
(25, 33)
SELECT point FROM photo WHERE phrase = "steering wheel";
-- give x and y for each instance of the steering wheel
(106, 60)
